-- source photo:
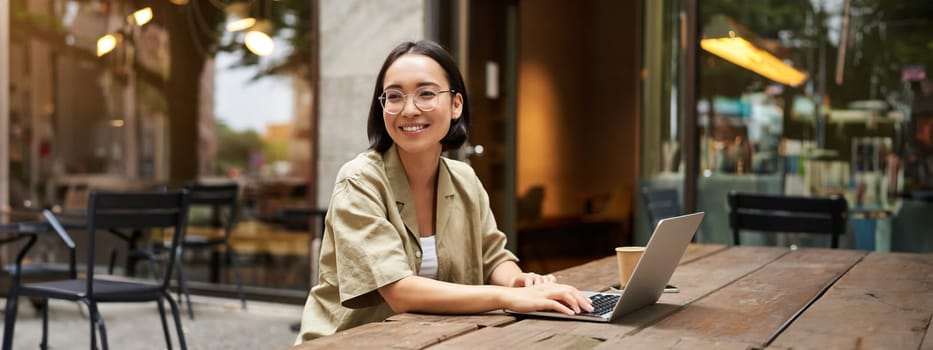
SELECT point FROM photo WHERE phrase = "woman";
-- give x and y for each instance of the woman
(410, 231)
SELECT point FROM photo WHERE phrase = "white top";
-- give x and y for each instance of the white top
(428, 258)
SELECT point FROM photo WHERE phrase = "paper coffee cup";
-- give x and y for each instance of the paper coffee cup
(627, 258)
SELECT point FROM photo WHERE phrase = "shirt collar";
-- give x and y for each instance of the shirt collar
(398, 181)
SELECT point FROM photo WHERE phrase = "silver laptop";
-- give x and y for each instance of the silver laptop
(662, 255)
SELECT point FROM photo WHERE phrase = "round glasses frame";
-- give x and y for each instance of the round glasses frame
(419, 105)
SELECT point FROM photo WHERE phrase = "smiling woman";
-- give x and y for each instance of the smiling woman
(401, 195)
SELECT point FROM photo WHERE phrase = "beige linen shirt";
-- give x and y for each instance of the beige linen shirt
(371, 240)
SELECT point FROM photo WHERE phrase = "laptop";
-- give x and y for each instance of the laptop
(651, 275)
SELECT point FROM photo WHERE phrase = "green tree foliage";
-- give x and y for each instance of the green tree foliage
(235, 147)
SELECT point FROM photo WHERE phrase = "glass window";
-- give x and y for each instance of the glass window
(662, 106)
(813, 98)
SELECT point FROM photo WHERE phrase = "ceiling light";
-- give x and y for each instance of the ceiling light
(730, 41)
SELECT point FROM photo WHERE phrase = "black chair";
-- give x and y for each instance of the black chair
(16, 273)
(299, 218)
(787, 214)
(135, 252)
(661, 203)
(140, 210)
(222, 200)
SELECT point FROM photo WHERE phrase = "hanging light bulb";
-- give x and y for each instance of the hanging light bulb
(240, 24)
(257, 39)
(106, 44)
(179, 2)
(142, 16)
(238, 17)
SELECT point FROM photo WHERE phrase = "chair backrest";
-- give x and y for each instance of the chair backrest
(661, 203)
(139, 211)
(220, 197)
(790, 214)
(30, 231)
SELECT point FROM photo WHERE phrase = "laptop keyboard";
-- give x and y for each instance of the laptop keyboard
(602, 304)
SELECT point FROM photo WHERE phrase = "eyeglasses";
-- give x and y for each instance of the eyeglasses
(425, 98)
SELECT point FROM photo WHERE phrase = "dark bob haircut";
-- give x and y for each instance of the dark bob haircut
(379, 139)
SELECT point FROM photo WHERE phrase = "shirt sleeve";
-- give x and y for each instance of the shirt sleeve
(369, 250)
(494, 252)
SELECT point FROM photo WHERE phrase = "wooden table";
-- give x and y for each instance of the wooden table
(730, 298)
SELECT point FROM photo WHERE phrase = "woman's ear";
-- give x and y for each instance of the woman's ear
(458, 106)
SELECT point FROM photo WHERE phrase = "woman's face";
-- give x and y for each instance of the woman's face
(412, 129)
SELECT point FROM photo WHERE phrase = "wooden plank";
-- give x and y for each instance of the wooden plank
(656, 342)
(701, 277)
(696, 279)
(928, 339)
(759, 304)
(503, 338)
(395, 335)
(885, 301)
(696, 251)
(489, 319)
(595, 275)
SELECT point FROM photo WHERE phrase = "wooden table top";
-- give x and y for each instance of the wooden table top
(730, 298)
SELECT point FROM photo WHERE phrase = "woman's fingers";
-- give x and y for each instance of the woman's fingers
(579, 301)
(571, 298)
(559, 307)
(531, 279)
(585, 302)
(550, 296)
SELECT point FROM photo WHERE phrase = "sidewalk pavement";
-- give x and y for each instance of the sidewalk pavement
(219, 324)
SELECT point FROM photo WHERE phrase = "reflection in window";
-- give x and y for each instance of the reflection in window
(850, 127)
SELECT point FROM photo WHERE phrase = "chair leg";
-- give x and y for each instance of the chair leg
(44, 309)
(236, 273)
(178, 328)
(168, 338)
(97, 325)
(179, 258)
(113, 260)
(183, 286)
(93, 322)
(9, 319)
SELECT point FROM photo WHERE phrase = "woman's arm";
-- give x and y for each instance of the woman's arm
(419, 294)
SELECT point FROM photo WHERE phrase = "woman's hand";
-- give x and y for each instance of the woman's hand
(547, 296)
(508, 274)
(529, 279)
